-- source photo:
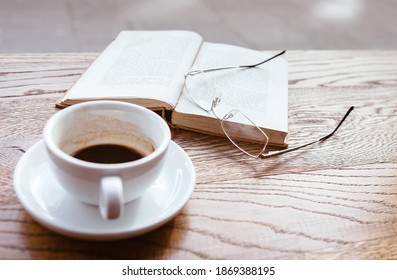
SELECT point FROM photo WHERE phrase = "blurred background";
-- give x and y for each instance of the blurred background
(90, 25)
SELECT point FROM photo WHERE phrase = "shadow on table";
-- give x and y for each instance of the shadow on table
(45, 244)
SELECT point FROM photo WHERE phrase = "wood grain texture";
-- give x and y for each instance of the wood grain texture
(333, 200)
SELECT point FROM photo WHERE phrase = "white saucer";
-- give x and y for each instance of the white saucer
(45, 200)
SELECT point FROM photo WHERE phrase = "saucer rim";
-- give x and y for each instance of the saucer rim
(180, 200)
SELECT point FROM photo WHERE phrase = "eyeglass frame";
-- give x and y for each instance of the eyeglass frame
(217, 100)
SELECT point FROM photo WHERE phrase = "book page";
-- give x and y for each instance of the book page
(142, 65)
(261, 92)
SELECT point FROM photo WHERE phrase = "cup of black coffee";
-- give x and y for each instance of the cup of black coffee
(106, 153)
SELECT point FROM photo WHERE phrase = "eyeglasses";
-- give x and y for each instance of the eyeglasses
(203, 91)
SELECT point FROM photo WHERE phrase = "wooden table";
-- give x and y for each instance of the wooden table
(334, 200)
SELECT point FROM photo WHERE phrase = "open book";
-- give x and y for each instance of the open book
(147, 68)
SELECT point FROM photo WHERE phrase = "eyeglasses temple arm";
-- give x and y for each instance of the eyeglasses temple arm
(340, 123)
(310, 143)
(260, 63)
(195, 72)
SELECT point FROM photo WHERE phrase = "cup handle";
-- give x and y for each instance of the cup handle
(111, 197)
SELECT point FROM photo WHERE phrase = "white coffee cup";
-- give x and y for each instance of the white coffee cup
(108, 185)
